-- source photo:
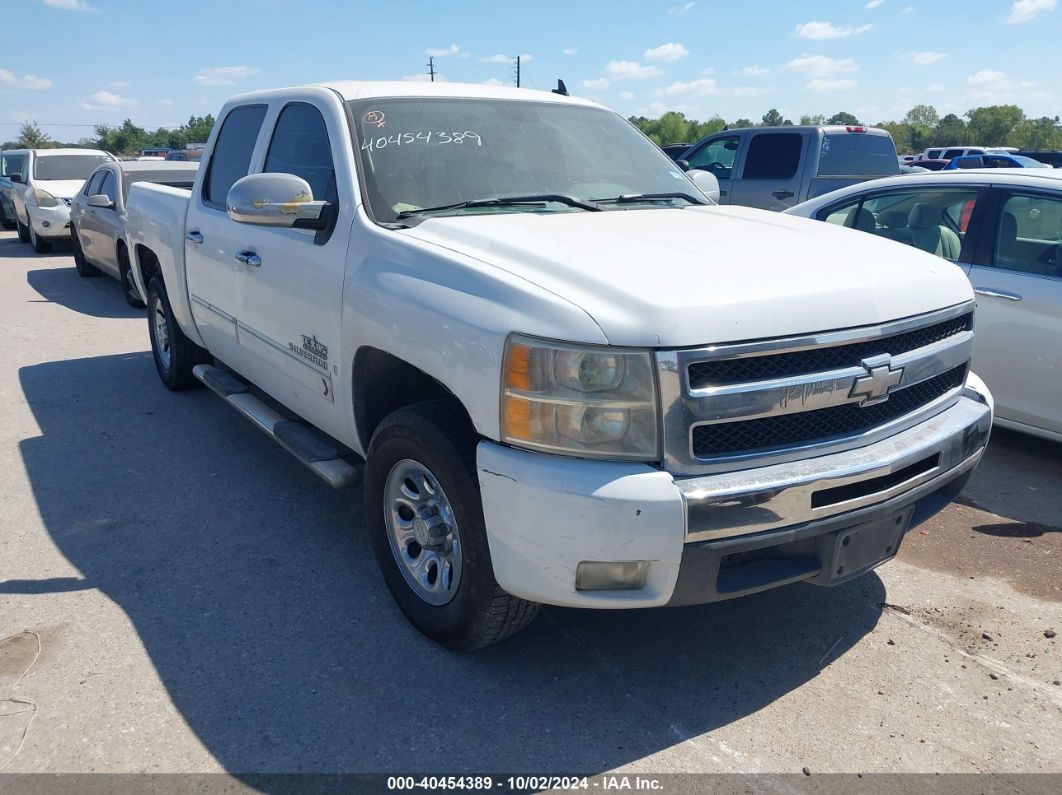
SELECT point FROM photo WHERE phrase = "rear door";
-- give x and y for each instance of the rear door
(771, 170)
(212, 238)
(717, 156)
(1018, 281)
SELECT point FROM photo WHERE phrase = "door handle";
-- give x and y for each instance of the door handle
(992, 292)
(194, 237)
(783, 194)
(249, 258)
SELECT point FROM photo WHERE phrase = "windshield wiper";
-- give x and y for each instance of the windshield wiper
(505, 201)
(634, 198)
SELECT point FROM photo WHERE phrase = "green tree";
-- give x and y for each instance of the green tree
(812, 121)
(30, 136)
(742, 123)
(1042, 133)
(922, 116)
(901, 136)
(843, 118)
(699, 130)
(773, 118)
(950, 131)
(993, 125)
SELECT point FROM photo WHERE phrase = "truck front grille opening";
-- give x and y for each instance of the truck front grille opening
(866, 488)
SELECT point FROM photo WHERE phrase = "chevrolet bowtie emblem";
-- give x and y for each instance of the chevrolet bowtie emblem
(881, 378)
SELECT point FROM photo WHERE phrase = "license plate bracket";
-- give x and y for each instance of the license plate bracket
(865, 546)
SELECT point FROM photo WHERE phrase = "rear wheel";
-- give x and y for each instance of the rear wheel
(84, 269)
(132, 295)
(40, 245)
(23, 232)
(175, 354)
(422, 504)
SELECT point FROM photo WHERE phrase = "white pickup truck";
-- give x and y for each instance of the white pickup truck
(563, 375)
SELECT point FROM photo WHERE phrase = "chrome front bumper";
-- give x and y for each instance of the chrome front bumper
(912, 463)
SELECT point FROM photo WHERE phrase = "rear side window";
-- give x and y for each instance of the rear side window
(773, 156)
(231, 158)
(857, 155)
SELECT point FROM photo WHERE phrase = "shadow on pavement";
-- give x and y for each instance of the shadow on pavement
(99, 296)
(258, 600)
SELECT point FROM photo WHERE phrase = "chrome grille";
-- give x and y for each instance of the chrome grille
(767, 401)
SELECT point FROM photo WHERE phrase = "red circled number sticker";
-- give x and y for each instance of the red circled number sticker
(374, 117)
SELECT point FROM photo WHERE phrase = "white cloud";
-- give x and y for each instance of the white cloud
(570, 50)
(821, 65)
(752, 71)
(629, 69)
(627, 96)
(1024, 10)
(492, 81)
(822, 84)
(666, 53)
(907, 10)
(223, 75)
(502, 58)
(69, 5)
(26, 82)
(874, 3)
(117, 84)
(423, 77)
(749, 91)
(105, 100)
(682, 9)
(993, 86)
(443, 52)
(927, 58)
(703, 87)
(166, 103)
(600, 84)
(827, 30)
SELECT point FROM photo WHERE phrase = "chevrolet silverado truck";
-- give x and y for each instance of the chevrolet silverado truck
(560, 372)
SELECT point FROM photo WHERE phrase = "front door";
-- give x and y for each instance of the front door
(1018, 341)
(291, 299)
(718, 156)
(212, 238)
(99, 226)
(771, 171)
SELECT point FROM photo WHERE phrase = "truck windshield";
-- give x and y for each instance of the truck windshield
(66, 166)
(857, 155)
(430, 153)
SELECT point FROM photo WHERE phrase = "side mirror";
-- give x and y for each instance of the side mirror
(101, 200)
(683, 164)
(707, 183)
(282, 200)
(16, 178)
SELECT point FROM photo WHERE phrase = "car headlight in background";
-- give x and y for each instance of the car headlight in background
(594, 402)
(45, 199)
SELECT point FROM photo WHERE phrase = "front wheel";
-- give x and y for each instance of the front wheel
(125, 272)
(175, 354)
(6, 222)
(84, 269)
(423, 509)
(40, 245)
(23, 232)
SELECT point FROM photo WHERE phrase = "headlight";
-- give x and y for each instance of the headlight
(595, 402)
(45, 199)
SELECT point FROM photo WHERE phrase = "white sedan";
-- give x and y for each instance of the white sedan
(1004, 228)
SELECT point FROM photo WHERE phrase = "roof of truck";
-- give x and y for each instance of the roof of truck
(368, 89)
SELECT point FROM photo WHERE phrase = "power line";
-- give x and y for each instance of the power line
(64, 124)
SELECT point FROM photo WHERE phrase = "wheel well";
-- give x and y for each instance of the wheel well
(121, 251)
(384, 383)
(149, 264)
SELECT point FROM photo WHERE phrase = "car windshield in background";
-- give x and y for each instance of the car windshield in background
(857, 155)
(66, 166)
(420, 153)
(1028, 162)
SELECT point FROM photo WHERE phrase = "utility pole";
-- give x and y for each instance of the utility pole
(517, 71)
(431, 67)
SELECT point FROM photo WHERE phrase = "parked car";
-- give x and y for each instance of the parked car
(11, 162)
(186, 155)
(951, 152)
(675, 151)
(911, 169)
(156, 151)
(97, 216)
(44, 189)
(932, 165)
(1048, 157)
(993, 161)
(776, 167)
(1003, 228)
(566, 377)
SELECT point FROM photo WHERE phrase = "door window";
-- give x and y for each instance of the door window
(717, 156)
(300, 146)
(12, 164)
(949, 154)
(773, 156)
(231, 158)
(92, 187)
(1029, 234)
(934, 220)
(109, 187)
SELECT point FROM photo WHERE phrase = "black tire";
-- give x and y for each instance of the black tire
(6, 222)
(23, 232)
(132, 295)
(438, 435)
(40, 245)
(175, 370)
(84, 269)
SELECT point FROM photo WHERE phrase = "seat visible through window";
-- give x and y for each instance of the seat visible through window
(930, 236)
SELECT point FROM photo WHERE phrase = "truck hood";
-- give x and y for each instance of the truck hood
(60, 188)
(693, 276)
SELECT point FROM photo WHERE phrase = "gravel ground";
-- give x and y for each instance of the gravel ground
(203, 604)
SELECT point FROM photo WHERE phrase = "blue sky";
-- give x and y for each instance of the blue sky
(81, 62)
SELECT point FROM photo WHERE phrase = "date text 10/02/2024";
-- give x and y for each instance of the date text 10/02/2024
(409, 139)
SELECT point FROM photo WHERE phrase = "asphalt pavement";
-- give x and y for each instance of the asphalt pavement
(203, 603)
